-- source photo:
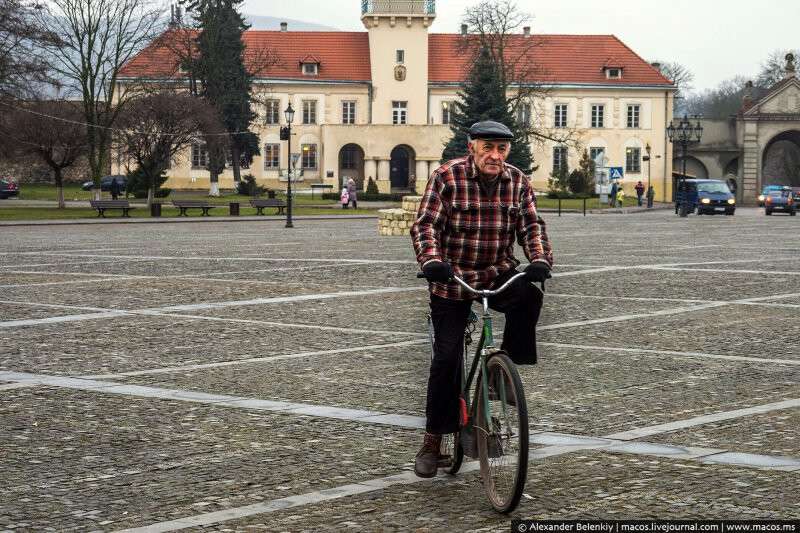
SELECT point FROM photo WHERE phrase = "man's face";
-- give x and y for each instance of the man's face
(489, 155)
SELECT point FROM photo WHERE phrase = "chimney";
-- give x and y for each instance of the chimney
(463, 29)
(284, 26)
(526, 31)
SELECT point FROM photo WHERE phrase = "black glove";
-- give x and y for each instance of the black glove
(438, 271)
(537, 272)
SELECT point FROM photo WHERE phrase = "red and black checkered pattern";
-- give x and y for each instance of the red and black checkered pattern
(459, 223)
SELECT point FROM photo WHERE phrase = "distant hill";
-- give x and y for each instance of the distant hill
(274, 23)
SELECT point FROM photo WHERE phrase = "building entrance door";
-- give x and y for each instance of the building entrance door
(399, 168)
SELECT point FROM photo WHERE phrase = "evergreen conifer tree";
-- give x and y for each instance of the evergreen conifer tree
(225, 81)
(483, 97)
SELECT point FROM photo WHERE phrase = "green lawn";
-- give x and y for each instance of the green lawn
(37, 191)
(575, 203)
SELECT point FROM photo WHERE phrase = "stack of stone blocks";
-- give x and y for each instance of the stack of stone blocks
(398, 221)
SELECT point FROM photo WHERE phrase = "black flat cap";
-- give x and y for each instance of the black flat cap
(489, 129)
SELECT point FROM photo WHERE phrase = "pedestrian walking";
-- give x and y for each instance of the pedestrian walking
(612, 197)
(620, 196)
(639, 192)
(344, 197)
(352, 192)
(651, 194)
(114, 189)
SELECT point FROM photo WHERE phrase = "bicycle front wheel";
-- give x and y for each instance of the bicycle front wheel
(502, 433)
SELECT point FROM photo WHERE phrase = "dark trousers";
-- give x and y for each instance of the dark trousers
(521, 303)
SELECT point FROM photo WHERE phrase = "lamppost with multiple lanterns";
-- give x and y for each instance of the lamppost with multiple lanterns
(684, 134)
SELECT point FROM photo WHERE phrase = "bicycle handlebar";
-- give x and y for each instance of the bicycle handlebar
(484, 293)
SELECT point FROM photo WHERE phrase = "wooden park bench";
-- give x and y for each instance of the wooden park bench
(260, 204)
(103, 205)
(183, 205)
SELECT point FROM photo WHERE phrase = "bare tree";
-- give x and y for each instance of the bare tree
(22, 65)
(156, 128)
(774, 68)
(497, 25)
(97, 37)
(681, 77)
(49, 131)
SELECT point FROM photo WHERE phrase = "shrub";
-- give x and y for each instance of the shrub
(248, 186)
(372, 187)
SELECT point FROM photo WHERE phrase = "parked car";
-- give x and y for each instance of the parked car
(796, 195)
(8, 188)
(780, 200)
(707, 197)
(105, 183)
(765, 191)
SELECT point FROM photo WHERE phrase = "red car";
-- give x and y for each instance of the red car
(8, 188)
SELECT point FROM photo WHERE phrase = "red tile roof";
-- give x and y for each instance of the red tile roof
(556, 59)
(344, 56)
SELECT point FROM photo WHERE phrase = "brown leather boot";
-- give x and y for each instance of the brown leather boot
(427, 459)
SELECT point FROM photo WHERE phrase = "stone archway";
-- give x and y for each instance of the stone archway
(780, 160)
(351, 165)
(694, 167)
(401, 166)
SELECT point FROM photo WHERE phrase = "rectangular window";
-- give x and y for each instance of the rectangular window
(229, 160)
(559, 159)
(401, 56)
(447, 112)
(633, 160)
(633, 115)
(199, 156)
(310, 69)
(309, 152)
(272, 112)
(595, 151)
(348, 112)
(524, 115)
(309, 111)
(349, 159)
(272, 156)
(598, 112)
(399, 112)
(560, 120)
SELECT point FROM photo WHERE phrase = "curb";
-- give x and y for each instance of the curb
(181, 220)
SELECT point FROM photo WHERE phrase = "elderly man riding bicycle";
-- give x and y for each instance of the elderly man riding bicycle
(471, 213)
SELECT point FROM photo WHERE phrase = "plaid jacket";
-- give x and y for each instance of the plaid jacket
(458, 223)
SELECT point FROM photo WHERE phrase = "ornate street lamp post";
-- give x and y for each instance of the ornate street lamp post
(684, 133)
(648, 150)
(289, 114)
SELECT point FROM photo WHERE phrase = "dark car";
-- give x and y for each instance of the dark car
(8, 188)
(780, 200)
(796, 195)
(105, 183)
(707, 197)
(767, 189)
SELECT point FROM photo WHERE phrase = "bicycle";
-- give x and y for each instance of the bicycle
(493, 427)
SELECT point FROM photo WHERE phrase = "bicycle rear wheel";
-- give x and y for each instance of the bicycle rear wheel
(502, 435)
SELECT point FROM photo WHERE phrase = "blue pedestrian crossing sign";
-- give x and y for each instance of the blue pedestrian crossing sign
(615, 173)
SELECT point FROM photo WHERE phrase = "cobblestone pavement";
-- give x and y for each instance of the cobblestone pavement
(246, 377)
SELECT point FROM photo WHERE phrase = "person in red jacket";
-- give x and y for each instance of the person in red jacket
(639, 192)
(473, 210)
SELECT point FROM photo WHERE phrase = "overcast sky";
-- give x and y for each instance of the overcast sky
(715, 39)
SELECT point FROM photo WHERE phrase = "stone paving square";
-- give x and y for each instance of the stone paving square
(630, 342)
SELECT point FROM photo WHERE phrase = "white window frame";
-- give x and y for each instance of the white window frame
(309, 111)
(272, 110)
(595, 150)
(199, 156)
(310, 69)
(633, 165)
(348, 115)
(614, 73)
(399, 112)
(272, 156)
(400, 56)
(447, 111)
(560, 115)
(597, 116)
(633, 116)
(305, 158)
(524, 114)
(558, 159)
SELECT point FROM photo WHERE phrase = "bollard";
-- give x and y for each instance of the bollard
(584, 206)
(559, 206)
